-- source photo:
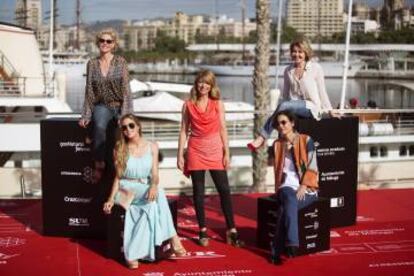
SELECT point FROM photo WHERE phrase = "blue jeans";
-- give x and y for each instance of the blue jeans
(104, 119)
(298, 107)
(287, 233)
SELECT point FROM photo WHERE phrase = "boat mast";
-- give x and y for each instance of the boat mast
(279, 31)
(77, 43)
(52, 7)
(346, 58)
(243, 5)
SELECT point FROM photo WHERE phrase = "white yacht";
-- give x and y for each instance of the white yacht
(27, 94)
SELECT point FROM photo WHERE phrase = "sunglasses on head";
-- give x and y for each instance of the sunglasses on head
(107, 41)
(128, 126)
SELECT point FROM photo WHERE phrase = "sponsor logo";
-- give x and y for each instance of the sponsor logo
(394, 264)
(78, 222)
(374, 232)
(215, 273)
(314, 226)
(189, 211)
(311, 237)
(77, 146)
(313, 214)
(153, 274)
(87, 174)
(11, 242)
(70, 173)
(77, 199)
(200, 255)
(337, 202)
(5, 257)
(334, 234)
(186, 223)
(310, 245)
(331, 176)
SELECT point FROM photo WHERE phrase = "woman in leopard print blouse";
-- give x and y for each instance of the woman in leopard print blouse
(107, 97)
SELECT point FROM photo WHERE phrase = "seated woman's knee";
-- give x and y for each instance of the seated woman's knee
(286, 105)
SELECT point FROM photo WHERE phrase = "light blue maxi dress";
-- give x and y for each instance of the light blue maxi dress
(147, 224)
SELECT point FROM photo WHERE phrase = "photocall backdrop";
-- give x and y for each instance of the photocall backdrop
(72, 203)
(337, 155)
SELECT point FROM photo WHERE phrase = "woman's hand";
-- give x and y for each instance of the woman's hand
(180, 162)
(335, 114)
(83, 122)
(152, 193)
(108, 206)
(226, 160)
(300, 194)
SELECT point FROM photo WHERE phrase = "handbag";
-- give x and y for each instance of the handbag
(124, 198)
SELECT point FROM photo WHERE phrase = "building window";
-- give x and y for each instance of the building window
(411, 150)
(383, 151)
(403, 150)
(373, 151)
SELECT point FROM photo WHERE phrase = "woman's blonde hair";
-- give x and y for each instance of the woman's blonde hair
(304, 45)
(208, 77)
(121, 146)
(109, 31)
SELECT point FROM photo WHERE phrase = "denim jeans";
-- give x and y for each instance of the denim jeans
(298, 107)
(104, 122)
(287, 233)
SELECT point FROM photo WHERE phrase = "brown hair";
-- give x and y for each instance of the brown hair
(109, 31)
(304, 45)
(121, 147)
(208, 77)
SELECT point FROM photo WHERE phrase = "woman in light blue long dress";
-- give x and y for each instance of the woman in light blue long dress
(148, 220)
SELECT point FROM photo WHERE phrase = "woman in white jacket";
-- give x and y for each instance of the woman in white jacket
(304, 91)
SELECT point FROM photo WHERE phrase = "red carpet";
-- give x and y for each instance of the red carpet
(382, 243)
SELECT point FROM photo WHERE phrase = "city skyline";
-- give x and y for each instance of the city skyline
(102, 10)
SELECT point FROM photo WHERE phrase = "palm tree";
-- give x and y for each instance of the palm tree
(261, 90)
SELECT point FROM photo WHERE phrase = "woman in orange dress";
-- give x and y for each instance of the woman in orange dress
(203, 125)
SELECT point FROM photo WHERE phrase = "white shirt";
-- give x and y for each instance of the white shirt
(291, 176)
(311, 88)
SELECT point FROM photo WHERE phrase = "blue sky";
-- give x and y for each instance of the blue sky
(93, 10)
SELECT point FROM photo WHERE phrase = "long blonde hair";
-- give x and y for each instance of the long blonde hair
(208, 77)
(121, 146)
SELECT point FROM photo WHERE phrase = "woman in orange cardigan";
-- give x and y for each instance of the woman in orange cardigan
(296, 180)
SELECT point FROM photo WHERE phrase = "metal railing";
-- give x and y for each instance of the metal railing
(402, 121)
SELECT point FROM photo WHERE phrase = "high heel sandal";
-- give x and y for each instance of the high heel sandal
(233, 239)
(254, 148)
(176, 248)
(177, 251)
(132, 264)
(203, 238)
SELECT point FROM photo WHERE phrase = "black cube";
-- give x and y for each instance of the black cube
(314, 225)
(116, 229)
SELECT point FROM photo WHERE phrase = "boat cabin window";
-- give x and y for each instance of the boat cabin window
(383, 151)
(403, 150)
(373, 151)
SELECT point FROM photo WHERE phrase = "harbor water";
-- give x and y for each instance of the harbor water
(385, 93)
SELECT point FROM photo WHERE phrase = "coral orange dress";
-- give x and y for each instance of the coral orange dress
(205, 148)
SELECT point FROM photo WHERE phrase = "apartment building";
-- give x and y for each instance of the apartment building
(315, 18)
(141, 35)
